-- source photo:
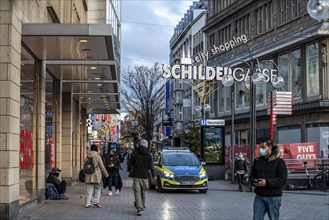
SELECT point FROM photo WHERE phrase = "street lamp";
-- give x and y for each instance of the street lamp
(318, 9)
(257, 78)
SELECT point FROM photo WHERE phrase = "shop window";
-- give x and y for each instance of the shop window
(312, 68)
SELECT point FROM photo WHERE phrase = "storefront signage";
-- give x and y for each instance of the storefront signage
(213, 122)
(213, 73)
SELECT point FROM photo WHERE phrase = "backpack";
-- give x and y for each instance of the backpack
(82, 175)
(89, 166)
(51, 192)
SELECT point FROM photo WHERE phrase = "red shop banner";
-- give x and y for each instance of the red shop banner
(301, 152)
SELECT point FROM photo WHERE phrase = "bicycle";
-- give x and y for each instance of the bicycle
(321, 180)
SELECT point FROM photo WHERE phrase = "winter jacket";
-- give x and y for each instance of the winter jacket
(140, 162)
(52, 178)
(99, 169)
(240, 164)
(273, 169)
(114, 160)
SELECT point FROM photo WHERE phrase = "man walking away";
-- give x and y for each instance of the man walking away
(269, 176)
(93, 180)
(141, 163)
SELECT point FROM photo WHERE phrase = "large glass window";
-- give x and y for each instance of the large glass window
(284, 70)
(27, 161)
(221, 97)
(312, 68)
(296, 76)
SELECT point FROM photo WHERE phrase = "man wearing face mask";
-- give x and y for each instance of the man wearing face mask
(269, 176)
(60, 185)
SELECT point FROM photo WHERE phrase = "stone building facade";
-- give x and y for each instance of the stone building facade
(45, 80)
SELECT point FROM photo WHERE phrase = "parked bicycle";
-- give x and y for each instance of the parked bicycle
(321, 180)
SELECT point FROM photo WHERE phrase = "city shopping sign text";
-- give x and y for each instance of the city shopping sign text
(213, 73)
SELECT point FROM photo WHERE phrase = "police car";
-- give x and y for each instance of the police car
(178, 168)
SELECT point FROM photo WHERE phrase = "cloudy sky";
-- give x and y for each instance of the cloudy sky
(147, 26)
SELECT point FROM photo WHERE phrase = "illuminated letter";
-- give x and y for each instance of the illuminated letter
(187, 71)
(210, 73)
(166, 71)
(266, 74)
(173, 71)
(234, 74)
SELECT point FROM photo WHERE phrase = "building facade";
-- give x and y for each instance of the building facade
(58, 64)
(186, 42)
(283, 33)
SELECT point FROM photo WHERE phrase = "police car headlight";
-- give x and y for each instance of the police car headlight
(203, 174)
(168, 175)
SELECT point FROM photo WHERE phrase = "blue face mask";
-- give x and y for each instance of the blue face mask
(262, 152)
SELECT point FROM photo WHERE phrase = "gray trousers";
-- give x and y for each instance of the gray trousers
(140, 187)
(93, 193)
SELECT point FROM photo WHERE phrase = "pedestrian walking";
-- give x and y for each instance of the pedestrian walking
(93, 178)
(269, 176)
(140, 163)
(240, 169)
(112, 167)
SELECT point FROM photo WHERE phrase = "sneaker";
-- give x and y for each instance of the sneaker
(117, 192)
(110, 193)
(63, 196)
(140, 211)
(87, 206)
(97, 205)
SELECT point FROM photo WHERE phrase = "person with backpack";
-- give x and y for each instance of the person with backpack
(94, 168)
(59, 185)
(240, 168)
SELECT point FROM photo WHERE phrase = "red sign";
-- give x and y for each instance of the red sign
(103, 117)
(97, 117)
(300, 152)
(52, 153)
(108, 117)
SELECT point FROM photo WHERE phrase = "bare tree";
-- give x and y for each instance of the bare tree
(143, 95)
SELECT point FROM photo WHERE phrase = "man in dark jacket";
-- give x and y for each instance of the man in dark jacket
(141, 163)
(60, 185)
(269, 176)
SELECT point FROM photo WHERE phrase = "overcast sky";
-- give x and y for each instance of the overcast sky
(147, 26)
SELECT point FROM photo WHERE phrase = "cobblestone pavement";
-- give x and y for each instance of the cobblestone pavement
(222, 201)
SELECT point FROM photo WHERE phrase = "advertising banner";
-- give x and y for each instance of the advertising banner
(300, 152)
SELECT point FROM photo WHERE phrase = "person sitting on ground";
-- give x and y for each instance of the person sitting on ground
(59, 185)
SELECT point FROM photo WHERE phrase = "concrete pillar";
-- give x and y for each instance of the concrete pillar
(10, 49)
(57, 122)
(39, 129)
(67, 122)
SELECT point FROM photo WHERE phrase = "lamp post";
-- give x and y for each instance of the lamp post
(257, 78)
(318, 9)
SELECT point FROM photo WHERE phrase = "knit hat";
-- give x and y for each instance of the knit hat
(55, 170)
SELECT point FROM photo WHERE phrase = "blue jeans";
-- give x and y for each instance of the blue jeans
(113, 180)
(269, 205)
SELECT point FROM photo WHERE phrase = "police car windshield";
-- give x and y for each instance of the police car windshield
(180, 159)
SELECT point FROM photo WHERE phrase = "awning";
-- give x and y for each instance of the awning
(82, 56)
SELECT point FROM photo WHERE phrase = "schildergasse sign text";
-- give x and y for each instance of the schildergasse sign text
(186, 70)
